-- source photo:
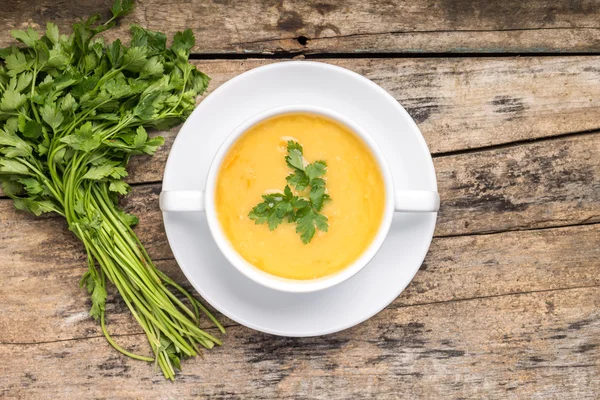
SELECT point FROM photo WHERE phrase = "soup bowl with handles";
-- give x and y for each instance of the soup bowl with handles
(204, 201)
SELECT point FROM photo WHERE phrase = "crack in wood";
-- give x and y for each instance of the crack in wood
(585, 222)
(74, 339)
(392, 55)
(492, 296)
(403, 32)
(516, 143)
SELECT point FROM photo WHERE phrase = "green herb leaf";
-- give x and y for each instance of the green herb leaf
(292, 145)
(68, 103)
(294, 159)
(98, 296)
(104, 171)
(36, 207)
(9, 186)
(52, 115)
(21, 149)
(153, 67)
(135, 59)
(12, 100)
(32, 130)
(121, 8)
(118, 186)
(304, 212)
(31, 185)
(317, 197)
(183, 42)
(83, 139)
(13, 167)
(28, 37)
(16, 63)
(316, 169)
(115, 53)
(298, 180)
(155, 42)
(321, 222)
(141, 136)
(128, 219)
(23, 81)
(52, 32)
(305, 225)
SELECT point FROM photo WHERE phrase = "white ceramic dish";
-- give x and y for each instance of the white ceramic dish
(326, 87)
(401, 201)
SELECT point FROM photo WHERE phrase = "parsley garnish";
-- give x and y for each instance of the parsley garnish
(303, 211)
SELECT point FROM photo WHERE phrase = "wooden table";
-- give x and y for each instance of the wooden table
(506, 304)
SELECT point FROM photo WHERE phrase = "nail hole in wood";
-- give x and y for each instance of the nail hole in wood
(302, 40)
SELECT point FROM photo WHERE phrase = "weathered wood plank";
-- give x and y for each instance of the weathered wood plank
(459, 103)
(45, 302)
(328, 26)
(537, 185)
(540, 345)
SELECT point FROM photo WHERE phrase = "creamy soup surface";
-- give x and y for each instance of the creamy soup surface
(255, 165)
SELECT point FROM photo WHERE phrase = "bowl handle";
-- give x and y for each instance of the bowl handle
(416, 201)
(181, 200)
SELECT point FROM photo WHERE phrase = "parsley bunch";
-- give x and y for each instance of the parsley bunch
(303, 211)
(73, 110)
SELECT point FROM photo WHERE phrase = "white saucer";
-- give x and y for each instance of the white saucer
(360, 297)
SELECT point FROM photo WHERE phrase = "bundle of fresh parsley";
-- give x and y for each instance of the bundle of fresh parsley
(73, 110)
(305, 212)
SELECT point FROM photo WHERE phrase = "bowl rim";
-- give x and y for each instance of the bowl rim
(272, 281)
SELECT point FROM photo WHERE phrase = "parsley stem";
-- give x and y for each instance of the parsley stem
(116, 346)
(33, 79)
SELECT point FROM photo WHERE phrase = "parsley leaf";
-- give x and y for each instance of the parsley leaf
(183, 42)
(52, 32)
(16, 63)
(121, 8)
(52, 115)
(298, 179)
(305, 212)
(316, 169)
(28, 37)
(294, 158)
(317, 197)
(12, 100)
(274, 208)
(135, 59)
(118, 186)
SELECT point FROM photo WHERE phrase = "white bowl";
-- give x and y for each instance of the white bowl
(405, 201)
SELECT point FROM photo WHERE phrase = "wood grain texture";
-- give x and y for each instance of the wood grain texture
(538, 345)
(506, 304)
(543, 184)
(353, 26)
(463, 103)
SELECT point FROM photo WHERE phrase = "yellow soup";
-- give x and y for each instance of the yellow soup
(255, 165)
